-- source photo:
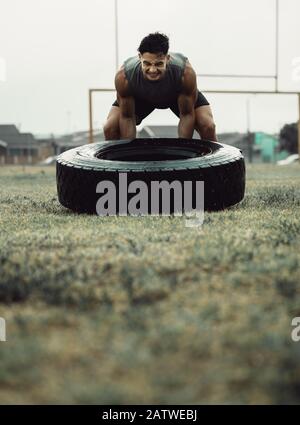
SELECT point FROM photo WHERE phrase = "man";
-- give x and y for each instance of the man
(156, 79)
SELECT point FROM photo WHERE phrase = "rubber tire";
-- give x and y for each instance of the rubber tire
(79, 170)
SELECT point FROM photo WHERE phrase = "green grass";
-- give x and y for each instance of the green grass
(146, 310)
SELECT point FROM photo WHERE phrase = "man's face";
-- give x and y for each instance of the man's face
(154, 65)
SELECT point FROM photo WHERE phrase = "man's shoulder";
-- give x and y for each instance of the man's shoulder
(177, 59)
(177, 54)
(181, 59)
(189, 79)
(131, 61)
(121, 82)
(188, 70)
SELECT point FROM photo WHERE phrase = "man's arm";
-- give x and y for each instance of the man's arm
(186, 102)
(127, 107)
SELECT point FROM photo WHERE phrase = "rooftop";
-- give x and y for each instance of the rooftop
(14, 139)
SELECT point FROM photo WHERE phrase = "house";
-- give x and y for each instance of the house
(267, 145)
(70, 141)
(3, 150)
(21, 148)
(46, 147)
(242, 141)
(24, 148)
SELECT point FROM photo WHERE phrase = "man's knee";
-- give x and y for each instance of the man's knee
(208, 126)
(206, 129)
(111, 131)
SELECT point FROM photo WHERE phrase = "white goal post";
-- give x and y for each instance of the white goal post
(224, 76)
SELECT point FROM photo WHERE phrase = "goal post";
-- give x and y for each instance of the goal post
(274, 77)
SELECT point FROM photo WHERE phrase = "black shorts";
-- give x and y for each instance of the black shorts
(143, 109)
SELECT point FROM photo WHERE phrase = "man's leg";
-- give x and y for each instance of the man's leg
(204, 123)
(111, 127)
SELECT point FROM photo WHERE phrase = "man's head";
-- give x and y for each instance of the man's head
(153, 54)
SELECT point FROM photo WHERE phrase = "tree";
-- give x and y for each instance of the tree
(288, 138)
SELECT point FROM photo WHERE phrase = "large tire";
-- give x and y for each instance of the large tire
(220, 166)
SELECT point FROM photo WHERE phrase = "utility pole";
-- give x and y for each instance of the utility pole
(276, 43)
(249, 135)
(116, 35)
(91, 133)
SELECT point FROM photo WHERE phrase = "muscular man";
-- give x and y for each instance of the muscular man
(156, 79)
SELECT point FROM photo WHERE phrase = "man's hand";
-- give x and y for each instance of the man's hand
(186, 102)
(126, 102)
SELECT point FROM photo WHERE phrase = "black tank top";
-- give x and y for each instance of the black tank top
(162, 93)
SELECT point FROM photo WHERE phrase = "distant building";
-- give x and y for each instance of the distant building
(168, 131)
(242, 141)
(171, 131)
(267, 145)
(3, 151)
(70, 141)
(22, 148)
(25, 148)
(46, 147)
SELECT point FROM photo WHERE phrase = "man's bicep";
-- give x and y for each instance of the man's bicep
(189, 92)
(124, 97)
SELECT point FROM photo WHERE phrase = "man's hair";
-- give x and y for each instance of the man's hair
(154, 43)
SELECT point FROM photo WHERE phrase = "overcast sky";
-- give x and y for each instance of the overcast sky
(55, 50)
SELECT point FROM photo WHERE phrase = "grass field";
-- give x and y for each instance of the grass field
(146, 310)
